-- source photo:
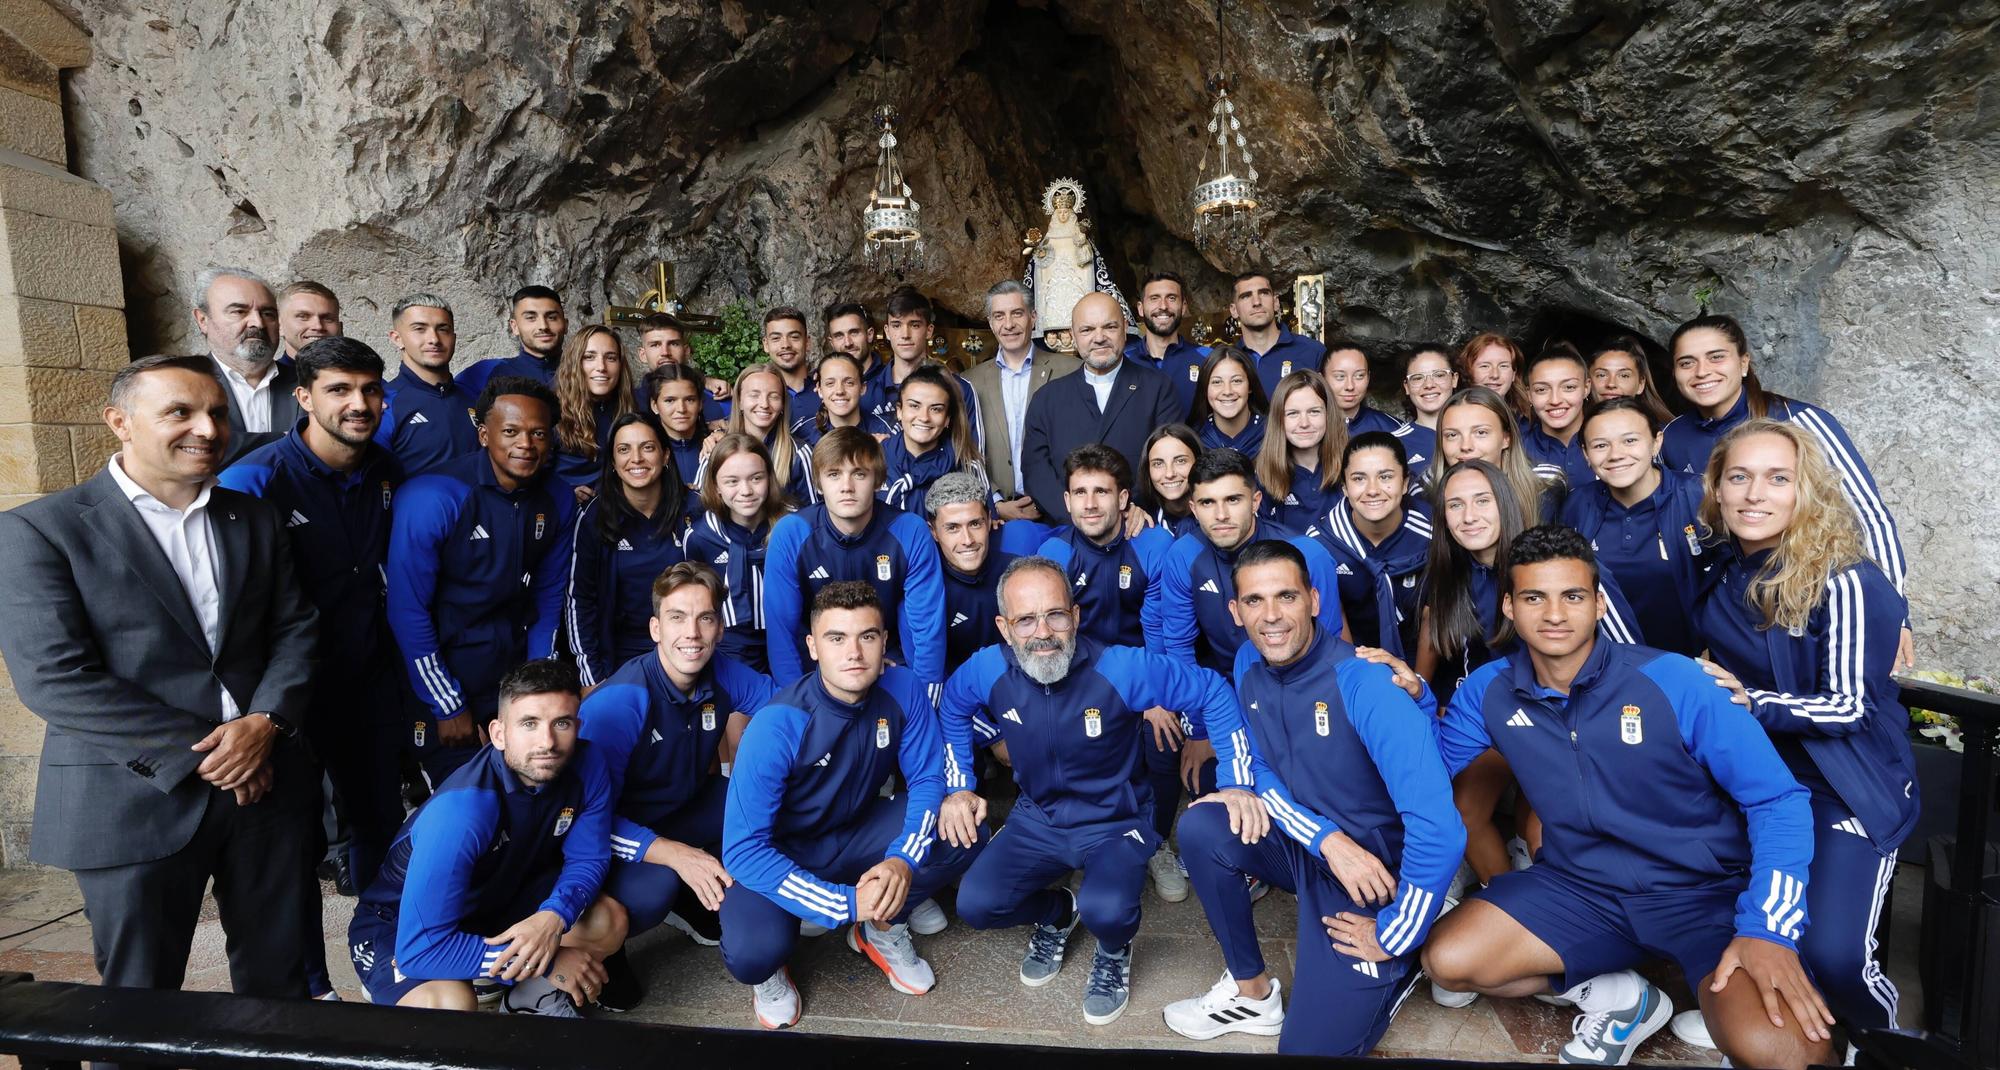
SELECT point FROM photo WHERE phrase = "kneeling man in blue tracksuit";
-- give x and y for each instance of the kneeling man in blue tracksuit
(1671, 829)
(1336, 762)
(1069, 710)
(805, 831)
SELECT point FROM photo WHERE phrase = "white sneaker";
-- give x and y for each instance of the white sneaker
(775, 1002)
(1608, 1038)
(1518, 854)
(686, 928)
(892, 951)
(928, 919)
(1225, 1009)
(1692, 1029)
(1440, 995)
(1170, 883)
(1462, 881)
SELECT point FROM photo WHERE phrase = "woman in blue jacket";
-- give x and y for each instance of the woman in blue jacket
(1229, 403)
(739, 503)
(1641, 519)
(595, 388)
(1378, 522)
(625, 537)
(933, 436)
(1170, 453)
(1802, 627)
(674, 393)
(1299, 466)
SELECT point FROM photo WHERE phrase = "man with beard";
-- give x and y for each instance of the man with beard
(1332, 754)
(1005, 384)
(661, 723)
(806, 833)
(238, 316)
(427, 418)
(910, 325)
(1115, 580)
(478, 554)
(1162, 304)
(334, 486)
(962, 524)
(1196, 585)
(535, 317)
(849, 330)
(497, 874)
(1067, 709)
(1109, 400)
(307, 312)
(785, 343)
(1277, 351)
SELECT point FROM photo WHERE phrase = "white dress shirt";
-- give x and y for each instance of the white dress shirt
(188, 539)
(253, 400)
(1101, 382)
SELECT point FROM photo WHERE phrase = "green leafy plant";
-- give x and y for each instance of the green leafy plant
(1942, 729)
(735, 346)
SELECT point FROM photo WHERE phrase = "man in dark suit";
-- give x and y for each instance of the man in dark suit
(155, 622)
(238, 315)
(1109, 400)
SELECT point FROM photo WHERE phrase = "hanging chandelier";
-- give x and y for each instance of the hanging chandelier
(892, 232)
(1225, 196)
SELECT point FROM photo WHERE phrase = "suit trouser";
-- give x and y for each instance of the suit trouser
(261, 857)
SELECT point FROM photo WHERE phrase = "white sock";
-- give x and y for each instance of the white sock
(1606, 992)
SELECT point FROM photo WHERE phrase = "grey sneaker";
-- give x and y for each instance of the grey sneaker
(1109, 988)
(928, 919)
(1045, 948)
(892, 951)
(538, 995)
(1170, 882)
(775, 1001)
(1608, 1038)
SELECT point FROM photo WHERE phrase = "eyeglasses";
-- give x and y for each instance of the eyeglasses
(1058, 620)
(1427, 377)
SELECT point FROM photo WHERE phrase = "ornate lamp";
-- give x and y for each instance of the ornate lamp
(892, 232)
(1225, 197)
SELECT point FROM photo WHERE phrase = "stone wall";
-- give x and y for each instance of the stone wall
(62, 328)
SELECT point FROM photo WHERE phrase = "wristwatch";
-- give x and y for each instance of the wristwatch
(286, 729)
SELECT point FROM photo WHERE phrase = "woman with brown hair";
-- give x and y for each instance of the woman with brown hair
(1476, 425)
(1299, 465)
(594, 385)
(1619, 369)
(1495, 361)
(739, 503)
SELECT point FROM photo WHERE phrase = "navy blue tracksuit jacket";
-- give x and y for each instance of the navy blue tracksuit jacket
(523, 363)
(1635, 716)
(971, 602)
(737, 555)
(1388, 610)
(894, 554)
(1654, 549)
(608, 599)
(1116, 587)
(425, 425)
(475, 580)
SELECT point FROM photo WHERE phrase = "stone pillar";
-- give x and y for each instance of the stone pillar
(62, 324)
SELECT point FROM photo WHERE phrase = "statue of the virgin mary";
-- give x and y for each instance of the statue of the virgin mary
(1063, 265)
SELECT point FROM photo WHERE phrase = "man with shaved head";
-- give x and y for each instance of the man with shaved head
(1110, 400)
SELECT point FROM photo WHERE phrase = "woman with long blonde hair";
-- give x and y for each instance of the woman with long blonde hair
(1803, 628)
(1299, 464)
(594, 385)
(763, 410)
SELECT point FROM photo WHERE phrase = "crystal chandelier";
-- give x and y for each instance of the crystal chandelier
(1225, 196)
(892, 233)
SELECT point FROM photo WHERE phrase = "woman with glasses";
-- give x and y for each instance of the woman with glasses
(1429, 380)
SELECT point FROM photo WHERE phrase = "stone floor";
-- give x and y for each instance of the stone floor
(978, 996)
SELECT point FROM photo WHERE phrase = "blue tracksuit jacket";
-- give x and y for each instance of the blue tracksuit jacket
(1548, 454)
(910, 475)
(1290, 353)
(809, 766)
(475, 578)
(574, 468)
(894, 553)
(608, 600)
(1332, 745)
(1419, 450)
(687, 458)
(880, 394)
(338, 525)
(1072, 741)
(737, 556)
(1827, 694)
(1195, 589)
(657, 744)
(1182, 366)
(1688, 440)
(1369, 418)
(1653, 548)
(1646, 778)
(1246, 442)
(1389, 610)
(971, 602)
(1116, 587)
(1303, 503)
(475, 377)
(466, 854)
(425, 425)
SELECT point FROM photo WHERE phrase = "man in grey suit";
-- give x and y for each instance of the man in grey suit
(1004, 385)
(154, 621)
(238, 315)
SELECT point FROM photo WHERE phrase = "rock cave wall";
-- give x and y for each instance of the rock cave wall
(1827, 172)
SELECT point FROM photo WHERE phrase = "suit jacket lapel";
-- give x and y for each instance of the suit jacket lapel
(112, 513)
(232, 552)
(1123, 386)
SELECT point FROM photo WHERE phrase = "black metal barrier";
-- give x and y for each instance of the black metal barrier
(1959, 957)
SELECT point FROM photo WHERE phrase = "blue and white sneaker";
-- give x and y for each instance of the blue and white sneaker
(1608, 1038)
(1045, 948)
(1109, 989)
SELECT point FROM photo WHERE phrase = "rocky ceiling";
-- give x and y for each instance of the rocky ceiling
(1826, 170)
